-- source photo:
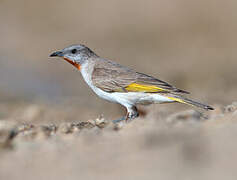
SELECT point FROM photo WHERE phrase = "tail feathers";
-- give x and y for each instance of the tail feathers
(191, 102)
(182, 91)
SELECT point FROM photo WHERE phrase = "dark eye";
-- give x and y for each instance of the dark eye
(73, 51)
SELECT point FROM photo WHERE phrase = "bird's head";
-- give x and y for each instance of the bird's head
(75, 54)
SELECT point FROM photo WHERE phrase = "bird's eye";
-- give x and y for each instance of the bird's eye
(73, 51)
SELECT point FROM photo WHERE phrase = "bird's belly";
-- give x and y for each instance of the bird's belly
(140, 98)
(132, 98)
(105, 95)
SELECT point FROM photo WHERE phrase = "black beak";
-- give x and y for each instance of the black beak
(57, 53)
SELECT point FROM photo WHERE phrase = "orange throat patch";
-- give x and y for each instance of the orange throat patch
(78, 66)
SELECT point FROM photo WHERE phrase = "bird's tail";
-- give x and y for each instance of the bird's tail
(191, 102)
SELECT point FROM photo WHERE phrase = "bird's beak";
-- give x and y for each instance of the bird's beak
(57, 53)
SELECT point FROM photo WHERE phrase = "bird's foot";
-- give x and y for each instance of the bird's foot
(119, 120)
(132, 113)
(129, 117)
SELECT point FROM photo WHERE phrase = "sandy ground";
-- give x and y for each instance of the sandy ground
(181, 145)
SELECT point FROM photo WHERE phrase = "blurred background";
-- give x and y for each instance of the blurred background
(191, 44)
(188, 43)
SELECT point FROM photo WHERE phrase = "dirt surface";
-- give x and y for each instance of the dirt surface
(183, 145)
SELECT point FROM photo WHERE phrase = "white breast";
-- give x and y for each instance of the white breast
(86, 72)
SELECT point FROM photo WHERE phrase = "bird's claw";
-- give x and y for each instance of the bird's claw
(119, 120)
(127, 118)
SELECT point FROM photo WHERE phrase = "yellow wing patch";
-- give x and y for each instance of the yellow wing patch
(134, 87)
(177, 99)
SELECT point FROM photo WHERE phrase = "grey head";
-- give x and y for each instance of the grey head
(75, 53)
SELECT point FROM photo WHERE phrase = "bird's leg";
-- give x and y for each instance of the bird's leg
(132, 113)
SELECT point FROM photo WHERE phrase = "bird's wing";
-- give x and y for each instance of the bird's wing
(153, 85)
(112, 77)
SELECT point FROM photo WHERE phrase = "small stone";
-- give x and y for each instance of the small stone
(49, 130)
(92, 122)
(66, 128)
(231, 108)
(100, 122)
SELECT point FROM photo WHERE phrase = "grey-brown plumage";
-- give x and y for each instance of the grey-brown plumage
(112, 77)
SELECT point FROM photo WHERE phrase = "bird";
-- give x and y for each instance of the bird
(120, 84)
